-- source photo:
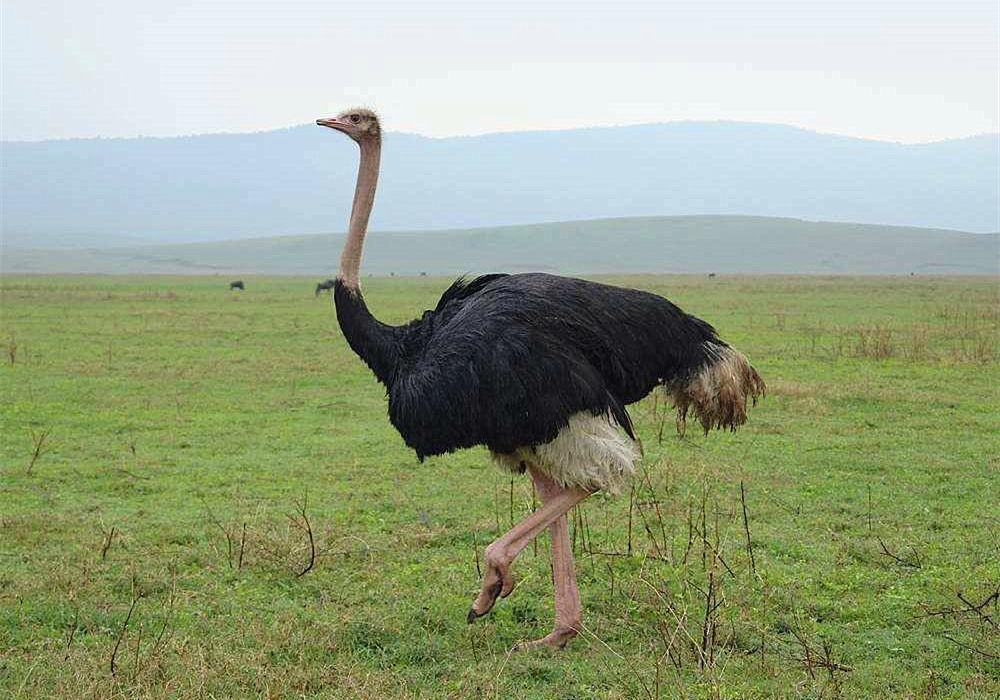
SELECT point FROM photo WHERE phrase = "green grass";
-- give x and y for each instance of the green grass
(178, 416)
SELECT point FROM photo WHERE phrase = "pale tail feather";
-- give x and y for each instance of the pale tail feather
(718, 392)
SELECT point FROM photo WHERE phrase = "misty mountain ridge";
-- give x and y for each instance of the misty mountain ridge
(107, 192)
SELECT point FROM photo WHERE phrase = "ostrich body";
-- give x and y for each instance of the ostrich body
(236, 284)
(539, 369)
(324, 285)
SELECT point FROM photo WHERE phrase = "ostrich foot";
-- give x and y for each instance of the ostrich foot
(556, 639)
(497, 583)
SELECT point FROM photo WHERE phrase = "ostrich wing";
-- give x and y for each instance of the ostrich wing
(498, 365)
(502, 391)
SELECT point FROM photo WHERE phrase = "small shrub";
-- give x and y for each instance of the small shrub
(874, 342)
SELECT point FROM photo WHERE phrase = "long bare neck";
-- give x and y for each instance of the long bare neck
(364, 199)
(373, 341)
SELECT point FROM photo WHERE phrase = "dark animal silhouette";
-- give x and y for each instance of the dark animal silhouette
(237, 284)
(323, 286)
(539, 369)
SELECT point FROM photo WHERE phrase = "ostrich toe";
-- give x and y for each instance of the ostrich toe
(556, 639)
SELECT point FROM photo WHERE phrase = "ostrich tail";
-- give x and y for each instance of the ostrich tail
(717, 392)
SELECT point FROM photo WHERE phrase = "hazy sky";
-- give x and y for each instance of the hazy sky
(904, 71)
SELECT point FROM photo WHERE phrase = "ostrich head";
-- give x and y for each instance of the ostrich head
(359, 123)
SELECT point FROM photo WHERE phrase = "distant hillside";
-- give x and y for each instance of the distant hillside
(724, 244)
(300, 180)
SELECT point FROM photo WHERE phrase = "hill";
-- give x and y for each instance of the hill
(725, 244)
(93, 192)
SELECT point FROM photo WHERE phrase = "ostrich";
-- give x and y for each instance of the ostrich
(236, 284)
(538, 368)
(323, 286)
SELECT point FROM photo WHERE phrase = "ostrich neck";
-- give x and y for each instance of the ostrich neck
(364, 199)
(374, 342)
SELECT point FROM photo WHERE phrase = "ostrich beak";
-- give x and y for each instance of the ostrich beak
(331, 123)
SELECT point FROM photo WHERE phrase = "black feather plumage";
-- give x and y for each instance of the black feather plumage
(464, 287)
(505, 360)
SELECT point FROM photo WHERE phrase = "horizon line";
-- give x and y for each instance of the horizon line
(140, 137)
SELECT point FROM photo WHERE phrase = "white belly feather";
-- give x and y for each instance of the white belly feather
(590, 452)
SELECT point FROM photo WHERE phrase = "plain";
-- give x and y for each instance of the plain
(200, 496)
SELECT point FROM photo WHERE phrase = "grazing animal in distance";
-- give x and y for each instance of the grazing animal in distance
(540, 369)
(323, 286)
(236, 284)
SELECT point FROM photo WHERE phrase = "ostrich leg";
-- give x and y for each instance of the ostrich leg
(497, 581)
(567, 595)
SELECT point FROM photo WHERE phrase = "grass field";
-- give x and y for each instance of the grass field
(170, 449)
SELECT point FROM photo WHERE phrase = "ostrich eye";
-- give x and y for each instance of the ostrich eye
(355, 118)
